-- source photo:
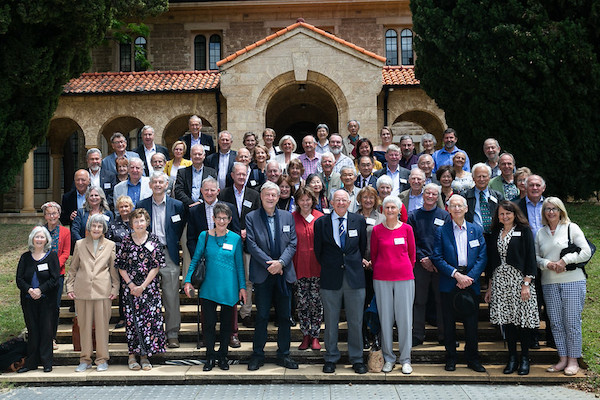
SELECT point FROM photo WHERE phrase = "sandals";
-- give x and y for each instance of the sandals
(133, 364)
(146, 366)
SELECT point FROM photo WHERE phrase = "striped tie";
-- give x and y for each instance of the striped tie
(342, 232)
(486, 216)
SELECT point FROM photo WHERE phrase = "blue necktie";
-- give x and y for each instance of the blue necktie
(342, 232)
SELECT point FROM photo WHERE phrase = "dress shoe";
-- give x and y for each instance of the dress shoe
(25, 369)
(329, 367)
(524, 366)
(209, 364)
(72, 308)
(223, 363)
(512, 364)
(450, 365)
(48, 369)
(287, 362)
(173, 343)
(359, 368)
(234, 342)
(248, 322)
(255, 363)
(305, 343)
(315, 345)
(416, 341)
(120, 324)
(476, 366)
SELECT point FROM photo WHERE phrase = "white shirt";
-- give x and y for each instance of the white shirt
(460, 236)
(336, 227)
(223, 166)
(149, 154)
(95, 179)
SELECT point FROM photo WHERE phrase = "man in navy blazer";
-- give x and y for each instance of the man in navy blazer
(365, 176)
(460, 257)
(340, 244)
(195, 136)
(187, 187)
(99, 176)
(222, 161)
(148, 148)
(167, 219)
(398, 174)
(271, 242)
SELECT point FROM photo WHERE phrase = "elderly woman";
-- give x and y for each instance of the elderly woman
(386, 139)
(139, 258)
(295, 171)
(314, 183)
(286, 197)
(521, 175)
(179, 149)
(365, 148)
(61, 245)
(463, 180)
(288, 145)
(308, 270)
(445, 175)
(95, 204)
(93, 283)
(37, 279)
(322, 139)
(224, 285)
(250, 141)
(122, 165)
(393, 255)
(384, 188)
(428, 143)
(563, 285)
(511, 291)
(118, 230)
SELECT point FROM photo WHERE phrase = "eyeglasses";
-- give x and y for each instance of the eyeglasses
(551, 210)
(221, 219)
(52, 214)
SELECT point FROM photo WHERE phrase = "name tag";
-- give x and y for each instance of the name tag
(309, 218)
(43, 267)
(149, 246)
(474, 243)
(494, 199)
(371, 221)
(252, 182)
(277, 149)
(175, 218)
(402, 180)
(398, 241)
(438, 222)
(352, 233)
(206, 147)
(326, 211)
(286, 228)
(516, 233)
(227, 246)
(247, 203)
(106, 217)
(107, 185)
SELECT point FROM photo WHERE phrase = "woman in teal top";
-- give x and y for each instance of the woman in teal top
(224, 285)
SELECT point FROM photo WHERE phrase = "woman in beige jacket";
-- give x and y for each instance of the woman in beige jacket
(93, 283)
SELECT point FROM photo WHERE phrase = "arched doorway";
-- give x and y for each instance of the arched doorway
(415, 123)
(179, 125)
(128, 126)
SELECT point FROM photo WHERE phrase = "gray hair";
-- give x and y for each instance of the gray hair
(273, 161)
(417, 171)
(353, 120)
(147, 128)
(157, 154)
(239, 165)
(392, 199)
(156, 175)
(224, 132)
(509, 155)
(92, 151)
(324, 126)
(309, 136)
(433, 186)
(535, 176)
(341, 191)
(392, 147)
(268, 185)
(136, 160)
(428, 136)
(198, 146)
(457, 197)
(348, 168)
(492, 139)
(405, 137)
(117, 135)
(329, 155)
(34, 232)
(482, 165)
(50, 204)
(195, 118)
(291, 139)
(384, 180)
(96, 219)
(103, 203)
(210, 179)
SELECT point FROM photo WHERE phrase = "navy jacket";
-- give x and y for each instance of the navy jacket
(205, 140)
(183, 184)
(197, 223)
(142, 154)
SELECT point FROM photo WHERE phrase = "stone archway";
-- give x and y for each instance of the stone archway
(128, 126)
(178, 126)
(416, 123)
(67, 149)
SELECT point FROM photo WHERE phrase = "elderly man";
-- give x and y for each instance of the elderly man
(412, 198)
(491, 149)
(136, 186)
(409, 159)
(444, 155)
(254, 177)
(340, 244)
(148, 148)
(168, 216)
(194, 136)
(119, 145)
(339, 160)
(365, 177)
(157, 164)
(74, 199)
(505, 182)
(271, 242)
(398, 174)
(348, 177)
(273, 171)
(425, 221)
(426, 165)
(310, 159)
(349, 142)
(189, 179)
(481, 199)
(460, 257)
(223, 160)
(100, 177)
(331, 179)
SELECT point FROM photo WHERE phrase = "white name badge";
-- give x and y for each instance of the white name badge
(438, 222)
(474, 243)
(247, 203)
(494, 199)
(371, 221)
(398, 241)
(402, 180)
(286, 228)
(227, 246)
(352, 233)
(277, 149)
(43, 267)
(149, 246)
(107, 185)
(252, 182)
(106, 217)
(326, 211)
(309, 218)
(175, 218)
(206, 147)
(516, 233)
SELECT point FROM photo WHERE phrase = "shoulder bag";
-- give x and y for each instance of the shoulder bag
(572, 248)
(200, 272)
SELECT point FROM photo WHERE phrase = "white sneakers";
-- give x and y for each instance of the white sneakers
(406, 369)
(387, 367)
(82, 367)
(102, 367)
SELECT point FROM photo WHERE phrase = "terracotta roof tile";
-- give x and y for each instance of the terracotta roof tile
(399, 76)
(141, 82)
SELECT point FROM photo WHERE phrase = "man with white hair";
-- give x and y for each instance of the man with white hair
(194, 136)
(491, 149)
(348, 176)
(349, 142)
(136, 186)
(148, 148)
(398, 174)
(339, 160)
(99, 176)
(426, 164)
(331, 179)
(412, 198)
(273, 171)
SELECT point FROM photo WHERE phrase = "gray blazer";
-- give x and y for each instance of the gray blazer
(121, 189)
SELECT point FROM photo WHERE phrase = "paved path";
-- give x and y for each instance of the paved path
(299, 391)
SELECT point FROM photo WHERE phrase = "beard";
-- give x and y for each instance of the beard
(95, 168)
(335, 150)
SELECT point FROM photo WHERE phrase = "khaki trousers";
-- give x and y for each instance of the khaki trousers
(96, 313)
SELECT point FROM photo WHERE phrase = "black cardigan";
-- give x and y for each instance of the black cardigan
(520, 253)
(48, 278)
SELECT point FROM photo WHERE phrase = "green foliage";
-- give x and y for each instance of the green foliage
(43, 44)
(523, 71)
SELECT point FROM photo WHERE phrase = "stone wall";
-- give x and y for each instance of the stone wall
(170, 48)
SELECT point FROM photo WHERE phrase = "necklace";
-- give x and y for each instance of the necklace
(221, 240)
(391, 229)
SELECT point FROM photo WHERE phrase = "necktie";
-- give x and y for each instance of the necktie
(486, 217)
(342, 232)
(364, 184)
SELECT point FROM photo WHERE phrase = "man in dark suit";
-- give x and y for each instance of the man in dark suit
(365, 176)
(426, 165)
(460, 257)
(482, 200)
(398, 174)
(271, 241)
(168, 217)
(99, 176)
(148, 148)
(194, 136)
(245, 200)
(340, 244)
(222, 161)
(74, 199)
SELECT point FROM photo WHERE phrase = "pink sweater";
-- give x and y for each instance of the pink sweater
(393, 253)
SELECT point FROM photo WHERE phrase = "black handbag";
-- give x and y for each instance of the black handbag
(200, 272)
(572, 248)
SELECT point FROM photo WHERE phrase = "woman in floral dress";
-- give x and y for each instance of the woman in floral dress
(138, 260)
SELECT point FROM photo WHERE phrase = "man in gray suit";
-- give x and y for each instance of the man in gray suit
(271, 242)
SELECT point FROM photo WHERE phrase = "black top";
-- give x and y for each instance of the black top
(47, 269)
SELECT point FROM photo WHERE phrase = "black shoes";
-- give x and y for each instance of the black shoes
(416, 341)
(329, 367)
(450, 365)
(48, 369)
(524, 366)
(223, 363)
(248, 322)
(25, 369)
(255, 363)
(512, 364)
(476, 366)
(285, 362)
(209, 365)
(359, 368)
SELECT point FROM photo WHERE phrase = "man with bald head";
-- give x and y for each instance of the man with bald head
(74, 199)
(491, 149)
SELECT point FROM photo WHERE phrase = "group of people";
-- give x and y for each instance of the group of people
(311, 234)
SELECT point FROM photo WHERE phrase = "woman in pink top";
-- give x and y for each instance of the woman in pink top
(393, 256)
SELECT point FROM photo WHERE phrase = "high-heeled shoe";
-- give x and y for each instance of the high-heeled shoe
(512, 364)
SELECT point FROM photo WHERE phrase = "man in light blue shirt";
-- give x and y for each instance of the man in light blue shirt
(444, 155)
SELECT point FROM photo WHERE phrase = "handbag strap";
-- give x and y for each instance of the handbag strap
(205, 242)
(569, 233)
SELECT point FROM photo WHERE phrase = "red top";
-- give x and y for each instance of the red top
(403, 213)
(64, 247)
(393, 253)
(305, 261)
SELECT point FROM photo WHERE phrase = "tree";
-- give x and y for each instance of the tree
(523, 71)
(44, 44)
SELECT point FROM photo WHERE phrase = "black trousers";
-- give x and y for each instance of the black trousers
(470, 325)
(40, 319)
(514, 334)
(209, 312)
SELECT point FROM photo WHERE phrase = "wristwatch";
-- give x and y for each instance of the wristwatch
(525, 283)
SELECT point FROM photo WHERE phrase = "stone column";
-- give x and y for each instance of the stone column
(28, 194)
(56, 163)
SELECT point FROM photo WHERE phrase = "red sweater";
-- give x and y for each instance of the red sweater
(393, 253)
(305, 261)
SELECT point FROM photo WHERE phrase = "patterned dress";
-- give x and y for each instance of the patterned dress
(506, 305)
(144, 320)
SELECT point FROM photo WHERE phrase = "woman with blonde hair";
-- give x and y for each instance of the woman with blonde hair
(179, 149)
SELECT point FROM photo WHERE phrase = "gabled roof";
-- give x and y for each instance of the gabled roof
(142, 82)
(298, 24)
(399, 76)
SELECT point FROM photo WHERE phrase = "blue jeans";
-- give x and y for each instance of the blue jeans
(266, 294)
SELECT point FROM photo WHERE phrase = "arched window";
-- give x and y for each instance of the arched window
(214, 51)
(140, 54)
(133, 55)
(391, 47)
(200, 53)
(406, 40)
